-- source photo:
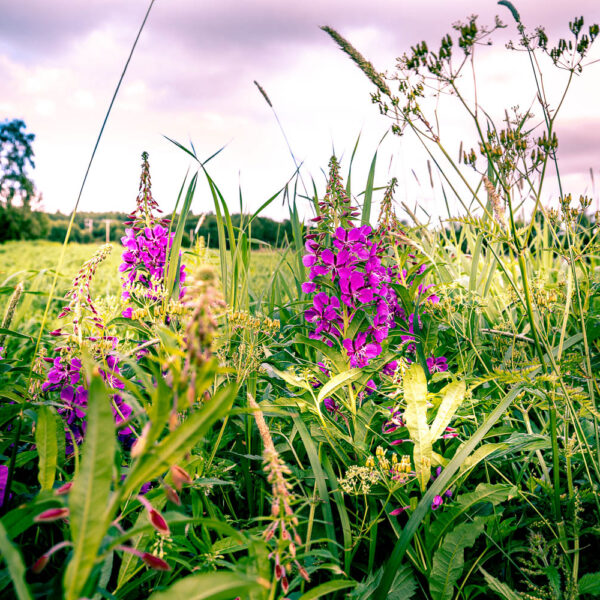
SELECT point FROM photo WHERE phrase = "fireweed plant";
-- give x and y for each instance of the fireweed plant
(365, 306)
(353, 281)
(84, 332)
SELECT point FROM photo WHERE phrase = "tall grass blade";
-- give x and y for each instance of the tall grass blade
(89, 496)
(14, 562)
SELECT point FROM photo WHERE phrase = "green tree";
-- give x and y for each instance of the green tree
(16, 158)
(17, 190)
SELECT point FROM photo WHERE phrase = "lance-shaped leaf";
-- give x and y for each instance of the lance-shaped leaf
(222, 585)
(328, 588)
(441, 483)
(158, 458)
(130, 561)
(289, 376)
(47, 446)
(454, 394)
(449, 559)
(339, 381)
(481, 453)
(470, 503)
(501, 589)
(89, 496)
(415, 415)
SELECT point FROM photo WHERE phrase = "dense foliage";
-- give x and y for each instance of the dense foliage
(392, 411)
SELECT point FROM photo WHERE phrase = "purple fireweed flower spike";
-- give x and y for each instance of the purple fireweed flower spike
(360, 351)
(390, 368)
(146, 245)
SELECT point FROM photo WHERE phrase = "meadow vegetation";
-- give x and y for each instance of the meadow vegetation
(376, 410)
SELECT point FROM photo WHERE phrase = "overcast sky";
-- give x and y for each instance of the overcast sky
(191, 78)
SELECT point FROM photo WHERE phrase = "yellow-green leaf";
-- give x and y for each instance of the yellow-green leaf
(335, 383)
(46, 442)
(222, 585)
(89, 496)
(14, 561)
(174, 446)
(454, 394)
(479, 454)
(289, 376)
(415, 415)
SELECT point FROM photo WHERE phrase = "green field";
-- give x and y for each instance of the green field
(34, 264)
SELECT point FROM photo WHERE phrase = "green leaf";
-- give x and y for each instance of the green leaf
(492, 493)
(500, 588)
(590, 584)
(327, 588)
(289, 376)
(174, 262)
(47, 446)
(14, 562)
(449, 561)
(335, 383)
(130, 562)
(89, 496)
(415, 396)
(335, 357)
(454, 394)
(403, 587)
(210, 586)
(174, 446)
(481, 453)
(321, 481)
(366, 209)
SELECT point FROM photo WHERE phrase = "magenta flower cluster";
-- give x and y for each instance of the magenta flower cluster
(65, 377)
(144, 259)
(357, 282)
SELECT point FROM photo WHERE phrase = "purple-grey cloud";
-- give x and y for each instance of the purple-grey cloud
(578, 147)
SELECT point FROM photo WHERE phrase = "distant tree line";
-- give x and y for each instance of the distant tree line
(92, 227)
(22, 223)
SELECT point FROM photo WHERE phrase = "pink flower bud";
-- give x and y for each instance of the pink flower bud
(52, 514)
(65, 488)
(39, 565)
(180, 476)
(154, 562)
(156, 519)
(399, 511)
(172, 495)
